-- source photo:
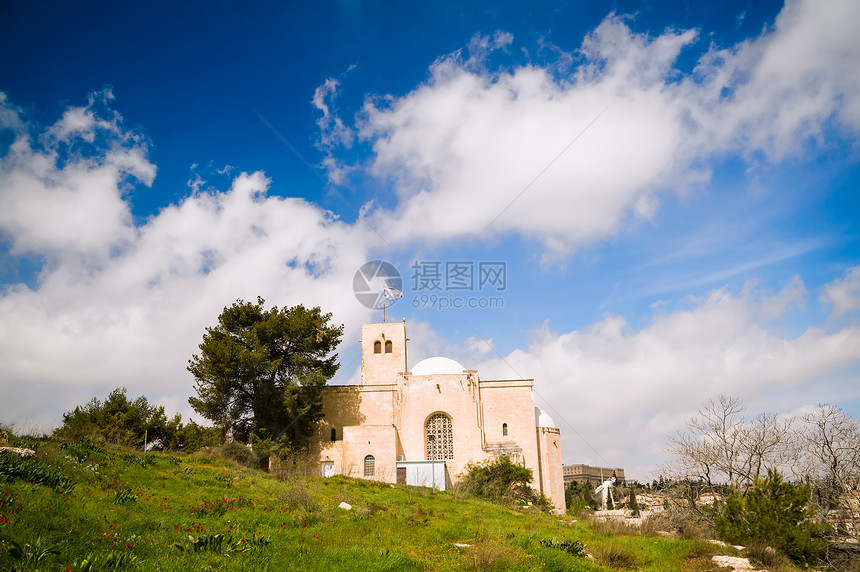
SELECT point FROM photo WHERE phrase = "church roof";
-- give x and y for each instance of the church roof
(437, 365)
(542, 419)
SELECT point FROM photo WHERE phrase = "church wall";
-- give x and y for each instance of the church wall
(377, 440)
(443, 393)
(358, 415)
(551, 476)
(349, 405)
(510, 403)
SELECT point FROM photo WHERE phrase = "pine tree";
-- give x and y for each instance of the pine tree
(774, 513)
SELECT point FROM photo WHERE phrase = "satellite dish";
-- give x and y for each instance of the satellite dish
(377, 285)
(390, 295)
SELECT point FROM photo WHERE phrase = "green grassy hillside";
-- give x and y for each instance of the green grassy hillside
(85, 507)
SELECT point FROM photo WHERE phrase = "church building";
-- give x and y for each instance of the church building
(422, 426)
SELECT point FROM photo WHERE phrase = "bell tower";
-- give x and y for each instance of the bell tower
(383, 352)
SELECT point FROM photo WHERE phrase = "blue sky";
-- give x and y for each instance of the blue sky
(671, 187)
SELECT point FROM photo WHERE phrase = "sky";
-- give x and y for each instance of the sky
(639, 205)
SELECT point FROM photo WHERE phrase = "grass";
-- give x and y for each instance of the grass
(97, 508)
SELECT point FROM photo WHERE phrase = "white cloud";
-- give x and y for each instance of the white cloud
(625, 391)
(844, 294)
(774, 92)
(61, 200)
(102, 317)
(478, 152)
(478, 346)
(332, 129)
(84, 122)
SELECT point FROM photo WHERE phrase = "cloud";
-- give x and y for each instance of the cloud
(775, 92)
(124, 305)
(332, 129)
(568, 159)
(462, 148)
(638, 387)
(60, 199)
(844, 294)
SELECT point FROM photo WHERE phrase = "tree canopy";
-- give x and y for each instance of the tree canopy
(260, 373)
(121, 420)
(774, 513)
(118, 419)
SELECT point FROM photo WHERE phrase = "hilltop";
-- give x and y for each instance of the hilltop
(82, 506)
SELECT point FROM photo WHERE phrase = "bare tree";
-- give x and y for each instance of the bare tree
(721, 446)
(767, 443)
(831, 443)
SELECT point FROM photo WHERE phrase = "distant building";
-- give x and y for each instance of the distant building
(651, 501)
(423, 425)
(592, 476)
(709, 498)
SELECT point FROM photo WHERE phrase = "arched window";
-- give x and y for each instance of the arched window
(369, 466)
(333, 434)
(504, 430)
(377, 347)
(440, 437)
(388, 346)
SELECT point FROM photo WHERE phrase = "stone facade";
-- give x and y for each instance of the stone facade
(423, 426)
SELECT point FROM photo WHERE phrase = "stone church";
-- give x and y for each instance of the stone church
(423, 425)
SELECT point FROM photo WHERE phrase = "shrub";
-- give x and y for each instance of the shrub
(611, 526)
(774, 513)
(295, 496)
(765, 556)
(616, 555)
(572, 547)
(700, 548)
(490, 556)
(684, 521)
(238, 453)
(502, 481)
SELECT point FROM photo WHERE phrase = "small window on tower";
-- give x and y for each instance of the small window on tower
(504, 429)
(333, 434)
(377, 347)
(388, 346)
(369, 466)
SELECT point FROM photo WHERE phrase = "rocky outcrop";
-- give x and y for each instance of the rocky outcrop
(16, 451)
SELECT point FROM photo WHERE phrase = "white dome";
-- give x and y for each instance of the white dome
(437, 365)
(542, 419)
